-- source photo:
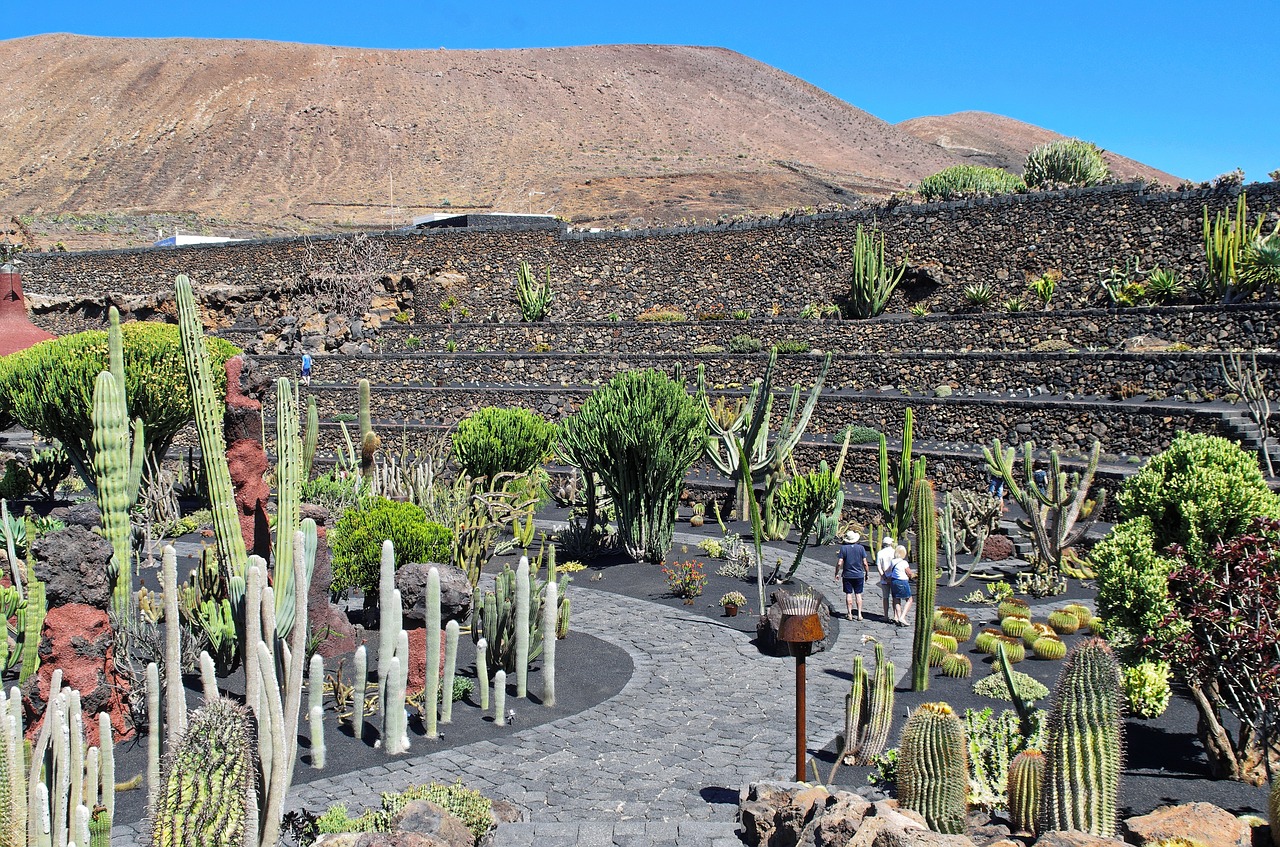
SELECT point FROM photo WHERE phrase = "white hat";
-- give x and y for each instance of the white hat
(888, 542)
(851, 537)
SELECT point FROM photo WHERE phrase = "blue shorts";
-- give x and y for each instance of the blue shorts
(901, 589)
(854, 584)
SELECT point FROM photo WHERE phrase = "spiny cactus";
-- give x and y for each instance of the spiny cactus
(1085, 745)
(899, 507)
(879, 714)
(522, 625)
(358, 692)
(431, 693)
(1026, 774)
(549, 645)
(855, 712)
(451, 633)
(956, 624)
(933, 770)
(1013, 648)
(987, 640)
(369, 440)
(1015, 627)
(499, 697)
(873, 281)
(946, 642)
(482, 673)
(1064, 622)
(1013, 607)
(311, 438)
(957, 666)
(1050, 648)
(208, 778)
(927, 582)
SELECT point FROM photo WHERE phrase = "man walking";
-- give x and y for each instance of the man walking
(884, 565)
(851, 572)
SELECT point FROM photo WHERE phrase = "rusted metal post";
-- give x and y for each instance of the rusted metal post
(801, 742)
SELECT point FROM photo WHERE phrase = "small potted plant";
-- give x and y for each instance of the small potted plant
(732, 601)
(699, 509)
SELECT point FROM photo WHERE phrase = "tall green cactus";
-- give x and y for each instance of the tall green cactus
(750, 457)
(451, 634)
(927, 582)
(1085, 747)
(311, 439)
(369, 440)
(875, 733)
(873, 281)
(1053, 512)
(288, 503)
(207, 781)
(898, 506)
(117, 466)
(493, 618)
(933, 769)
(1026, 775)
(31, 622)
(855, 712)
(213, 445)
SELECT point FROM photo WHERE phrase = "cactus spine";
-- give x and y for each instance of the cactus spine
(522, 626)
(117, 466)
(482, 673)
(933, 770)
(499, 697)
(550, 607)
(1084, 748)
(358, 693)
(208, 779)
(451, 633)
(1026, 774)
(431, 696)
(316, 720)
(927, 582)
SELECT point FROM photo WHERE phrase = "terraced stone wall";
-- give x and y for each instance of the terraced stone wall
(773, 268)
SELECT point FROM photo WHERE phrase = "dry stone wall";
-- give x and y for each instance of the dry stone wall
(772, 268)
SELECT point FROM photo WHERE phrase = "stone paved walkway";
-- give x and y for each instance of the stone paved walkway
(703, 714)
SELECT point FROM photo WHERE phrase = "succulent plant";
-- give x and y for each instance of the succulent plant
(1026, 774)
(1063, 622)
(933, 770)
(957, 666)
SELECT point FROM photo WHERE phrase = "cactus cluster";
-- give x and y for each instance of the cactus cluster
(957, 666)
(868, 710)
(510, 618)
(933, 770)
(900, 505)
(1084, 750)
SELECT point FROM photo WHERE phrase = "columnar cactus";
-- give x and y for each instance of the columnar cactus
(288, 504)
(315, 684)
(451, 633)
(369, 440)
(431, 695)
(933, 770)
(393, 709)
(1026, 774)
(358, 692)
(522, 626)
(482, 673)
(549, 606)
(855, 710)
(311, 438)
(175, 713)
(927, 582)
(387, 631)
(899, 507)
(880, 709)
(316, 720)
(209, 776)
(1084, 749)
(153, 732)
(117, 466)
(499, 697)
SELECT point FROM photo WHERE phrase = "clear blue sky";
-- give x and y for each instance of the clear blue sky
(1188, 87)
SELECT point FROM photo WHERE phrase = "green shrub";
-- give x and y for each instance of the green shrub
(744, 344)
(1133, 584)
(468, 805)
(790, 346)
(969, 181)
(48, 388)
(1068, 161)
(493, 440)
(1201, 490)
(16, 483)
(335, 493)
(356, 541)
(858, 434)
(994, 686)
(1146, 685)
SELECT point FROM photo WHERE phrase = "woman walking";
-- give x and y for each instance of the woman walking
(900, 586)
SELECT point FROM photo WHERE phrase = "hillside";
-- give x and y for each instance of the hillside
(108, 140)
(981, 138)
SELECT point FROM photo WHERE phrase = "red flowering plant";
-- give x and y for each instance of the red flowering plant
(1223, 635)
(685, 579)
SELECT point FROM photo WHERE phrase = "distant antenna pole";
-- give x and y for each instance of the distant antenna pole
(391, 183)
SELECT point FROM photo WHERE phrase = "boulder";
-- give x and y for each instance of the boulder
(997, 548)
(767, 627)
(1065, 838)
(426, 818)
(77, 639)
(84, 514)
(1203, 823)
(841, 818)
(246, 460)
(793, 814)
(455, 593)
(72, 563)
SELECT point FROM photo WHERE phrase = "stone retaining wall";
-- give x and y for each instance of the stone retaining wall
(770, 268)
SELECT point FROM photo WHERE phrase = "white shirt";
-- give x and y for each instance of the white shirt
(899, 569)
(884, 560)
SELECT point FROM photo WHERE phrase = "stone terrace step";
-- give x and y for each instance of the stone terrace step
(628, 833)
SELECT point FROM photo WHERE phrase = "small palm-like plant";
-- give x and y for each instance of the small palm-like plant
(979, 294)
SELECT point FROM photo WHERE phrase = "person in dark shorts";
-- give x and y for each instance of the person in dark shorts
(851, 572)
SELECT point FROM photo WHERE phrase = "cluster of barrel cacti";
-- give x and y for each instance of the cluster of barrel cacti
(65, 791)
(951, 628)
(868, 710)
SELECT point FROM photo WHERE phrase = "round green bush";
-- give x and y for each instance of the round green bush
(1068, 161)
(356, 542)
(1146, 685)
(48, 388)
(968, 181)
(994, 686)
(493, 440)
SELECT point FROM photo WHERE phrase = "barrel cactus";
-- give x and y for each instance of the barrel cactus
(1064, 622)
(933, 768)
(1049, 647)
(208, 780)
(957, 666)
(1013, 607)
(1084, 751)
(1013, 648)
(1026, 774)
(1015, 627)
(987, 640)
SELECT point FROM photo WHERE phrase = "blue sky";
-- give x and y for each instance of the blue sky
(1188, 87)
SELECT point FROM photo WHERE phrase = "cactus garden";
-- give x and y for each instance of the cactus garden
(240, 609)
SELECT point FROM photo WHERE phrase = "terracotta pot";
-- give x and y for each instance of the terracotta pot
(731, 609)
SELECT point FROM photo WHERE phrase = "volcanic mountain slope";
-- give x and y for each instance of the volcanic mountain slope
(252, 130)
(116, 137)
(981, 138)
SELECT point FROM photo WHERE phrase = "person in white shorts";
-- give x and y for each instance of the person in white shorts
(884, 566)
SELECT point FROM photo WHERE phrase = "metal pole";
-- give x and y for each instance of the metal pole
(800, 710)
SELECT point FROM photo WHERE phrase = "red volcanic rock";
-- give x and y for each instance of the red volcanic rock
(246, 461)
(77, 639)
(997, 548)
(418, 660)
(17, 332)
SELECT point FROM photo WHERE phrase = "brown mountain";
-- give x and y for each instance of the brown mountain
(981, 138)
(106, 139)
